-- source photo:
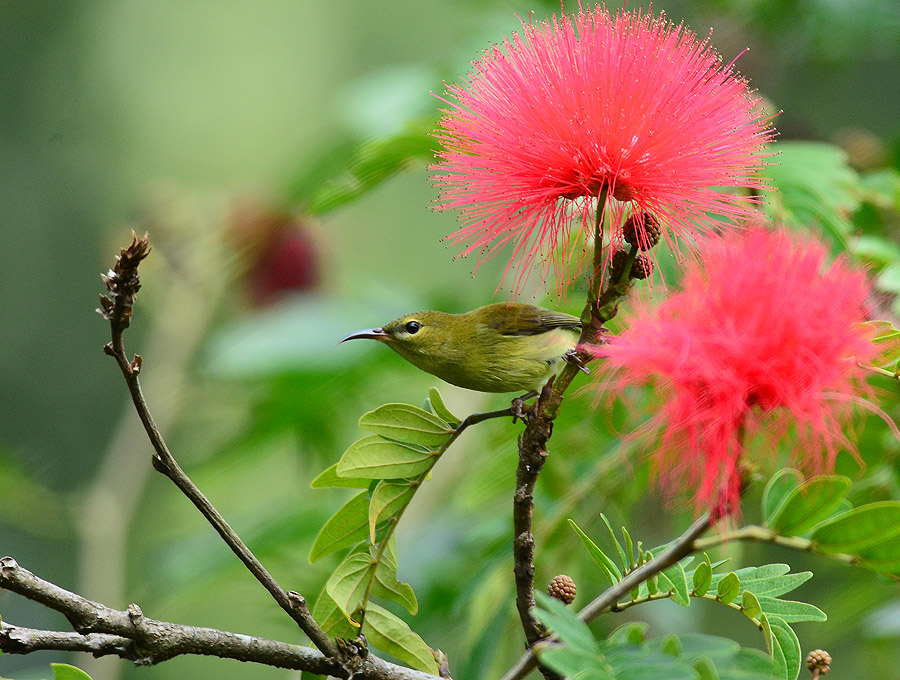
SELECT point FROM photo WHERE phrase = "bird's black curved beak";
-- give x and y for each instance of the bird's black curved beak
(368, 334)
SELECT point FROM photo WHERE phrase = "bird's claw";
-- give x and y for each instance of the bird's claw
(521, 410)
(573, 357)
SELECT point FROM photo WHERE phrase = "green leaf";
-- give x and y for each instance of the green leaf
(790, 611)
(619, 550)
(570, 629)
(387, 500)
(348, 583)
(63, 671)
(388, 586)
(883, 557)
(728, 588)
(787, 641)
(777, 491)
(407, 424)
(392, 635)
(629, 548)
(815, 186)
(607, 566)
(573, 663)
(306, 675)
(750, 605)
(702, 578)
(375, 457)
(440, 409)
(858, 529)
(706, 669)
(330, 617)
(809, 504)
(766, 628)
(677, 578)
(671, 646)
(632, 633)
(346, 527)
(329, 478)
(773, 586)
(360, 167)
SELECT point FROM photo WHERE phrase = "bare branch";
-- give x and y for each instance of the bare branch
(123, 283)
(130, 635)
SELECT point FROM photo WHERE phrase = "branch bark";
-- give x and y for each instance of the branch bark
(123, 284)
(599, 308)
(130, 635)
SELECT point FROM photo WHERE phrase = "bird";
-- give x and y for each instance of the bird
(501, 347)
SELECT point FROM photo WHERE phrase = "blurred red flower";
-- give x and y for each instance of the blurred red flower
(632, 103)
(763, 335)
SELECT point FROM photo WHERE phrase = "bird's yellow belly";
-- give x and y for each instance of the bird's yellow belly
(522, 364)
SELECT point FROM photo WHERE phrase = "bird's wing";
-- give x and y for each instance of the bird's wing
(522, 319)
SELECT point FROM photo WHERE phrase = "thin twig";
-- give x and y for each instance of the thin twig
(681, 548)
(123, 283)
(130, 635)
(754, 532)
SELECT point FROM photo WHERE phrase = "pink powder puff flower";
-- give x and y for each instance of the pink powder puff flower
(763, 334)
(631, 103)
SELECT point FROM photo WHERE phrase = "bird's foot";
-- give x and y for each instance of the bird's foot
(521, 410)
(576, 359)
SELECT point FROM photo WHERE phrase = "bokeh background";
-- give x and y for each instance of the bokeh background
(276, 152)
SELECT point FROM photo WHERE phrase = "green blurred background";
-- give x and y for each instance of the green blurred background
(213, 125)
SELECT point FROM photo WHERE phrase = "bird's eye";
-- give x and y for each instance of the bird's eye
(412, 327)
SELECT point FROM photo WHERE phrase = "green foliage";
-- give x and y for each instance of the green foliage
(63, 671)
(406, 424)
(607, 566)
(808, 504)
(435, 404)
(375, 457)
(350, 170)
(329, 478)
(778, 488)
(860, 529)
(753, 591)
(345, 528)
(391, 634)
(818, 510)
(815, 187)
(627, 655)
(394, 461)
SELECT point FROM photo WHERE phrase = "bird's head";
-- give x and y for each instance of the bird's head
(421, 334)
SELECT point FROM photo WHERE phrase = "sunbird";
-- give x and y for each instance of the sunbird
(503, 347)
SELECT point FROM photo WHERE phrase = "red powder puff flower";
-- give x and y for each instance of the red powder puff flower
(631, 103)
(762, 335)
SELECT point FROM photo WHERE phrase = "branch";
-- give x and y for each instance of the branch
(598, 309)
(683, 546)
(130, 635)
(677, 551)
(123, 284)
(753, 532)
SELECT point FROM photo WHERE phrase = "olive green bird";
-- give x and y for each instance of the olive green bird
(503, 347)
